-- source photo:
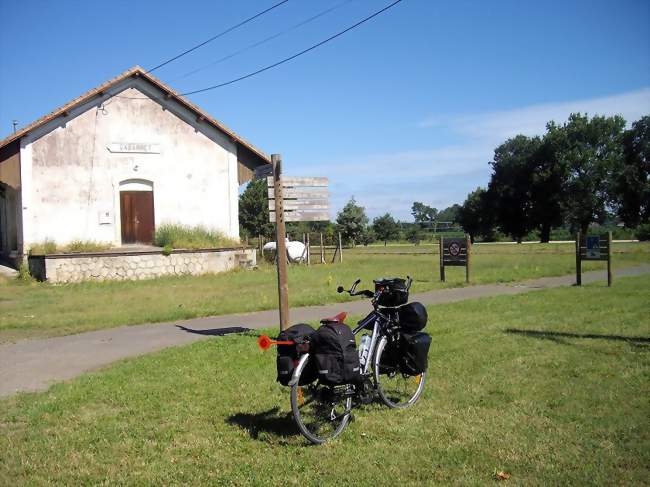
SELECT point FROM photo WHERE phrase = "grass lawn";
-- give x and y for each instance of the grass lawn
(551, 387)
(30, 310)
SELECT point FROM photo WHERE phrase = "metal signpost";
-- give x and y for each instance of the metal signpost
(292, 200)
(455, 252)
(593, 247)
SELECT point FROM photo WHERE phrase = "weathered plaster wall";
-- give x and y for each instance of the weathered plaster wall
(76, 268)
(74, 177)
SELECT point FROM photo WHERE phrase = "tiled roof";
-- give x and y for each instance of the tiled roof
(135, 71)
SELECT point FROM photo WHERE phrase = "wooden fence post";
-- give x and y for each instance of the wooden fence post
(469, 259)
(609, 259)
(442, 265)
(322, 250)
(308, 251)
(281, 245)
(578, 262)
(340, 249)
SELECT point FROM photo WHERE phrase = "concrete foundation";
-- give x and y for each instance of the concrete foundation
(62, 268)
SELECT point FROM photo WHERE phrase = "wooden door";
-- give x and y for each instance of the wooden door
(136, 208)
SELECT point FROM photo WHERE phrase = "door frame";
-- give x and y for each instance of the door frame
(130, 183)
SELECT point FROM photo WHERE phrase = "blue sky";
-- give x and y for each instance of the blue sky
(408, 107)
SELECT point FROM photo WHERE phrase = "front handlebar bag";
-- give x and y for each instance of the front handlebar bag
(415, 353)
(412, 317)
(391, 292)
(288, 356)
(335, 351)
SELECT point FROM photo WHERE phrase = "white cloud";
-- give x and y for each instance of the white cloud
(532, 120)
(444, 175)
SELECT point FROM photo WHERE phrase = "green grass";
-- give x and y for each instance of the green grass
(29, 309)
(77, 246)
(551, 387)
(188, 237)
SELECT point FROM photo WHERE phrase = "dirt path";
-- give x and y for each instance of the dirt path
(33, 365)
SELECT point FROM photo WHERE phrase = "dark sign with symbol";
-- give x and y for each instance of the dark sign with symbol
(454, 252)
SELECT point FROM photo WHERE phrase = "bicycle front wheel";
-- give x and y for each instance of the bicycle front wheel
(321, 412)
(396, 390)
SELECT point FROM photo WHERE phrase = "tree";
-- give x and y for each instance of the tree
(414, 234)
(548, 176)
(352, 221)
(630, 191)
(254, 210)
(589, 150)
(386, 228)
(511, 185)
(449, 214)
(476, 216)
(368, 236)
(422, 213)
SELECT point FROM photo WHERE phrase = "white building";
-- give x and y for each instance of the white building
(115, 163)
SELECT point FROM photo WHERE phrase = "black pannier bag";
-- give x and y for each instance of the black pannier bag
(335, 351)
(415, 351)
(393, 292)
(412, 317)
(287, 358)
(391, 356)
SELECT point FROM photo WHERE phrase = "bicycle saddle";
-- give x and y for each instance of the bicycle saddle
(339, 318)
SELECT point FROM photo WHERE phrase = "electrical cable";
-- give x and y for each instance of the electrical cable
(230, 29)
(266, 68)
(263, 41)
(287, 59)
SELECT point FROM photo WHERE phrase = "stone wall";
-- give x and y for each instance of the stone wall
(137, 265)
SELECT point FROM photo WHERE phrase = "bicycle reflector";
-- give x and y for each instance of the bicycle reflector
(264, 342)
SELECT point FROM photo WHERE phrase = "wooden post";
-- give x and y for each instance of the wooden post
(469, 259)
(609, 259)
(281, 245)
(578, 262)
(442, 265)
(322, 250)
(340, 249)
(308, 251)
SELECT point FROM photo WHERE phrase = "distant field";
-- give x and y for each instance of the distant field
(40, 309)
(550, 387)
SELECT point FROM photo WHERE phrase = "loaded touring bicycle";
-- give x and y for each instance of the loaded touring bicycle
(327, 373)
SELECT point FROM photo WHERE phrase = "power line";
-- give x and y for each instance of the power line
(287, 59)
(217, 36)
(264, 41)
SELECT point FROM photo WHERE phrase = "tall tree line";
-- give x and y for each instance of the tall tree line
(575, 174)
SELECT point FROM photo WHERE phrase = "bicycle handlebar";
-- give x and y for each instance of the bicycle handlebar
(367, 292)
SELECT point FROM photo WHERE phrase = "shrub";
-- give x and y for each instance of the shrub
(187, 237)
(23, 272)
(643, 232)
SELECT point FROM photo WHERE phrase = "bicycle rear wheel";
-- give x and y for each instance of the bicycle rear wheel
(396, 390)
(321, 412)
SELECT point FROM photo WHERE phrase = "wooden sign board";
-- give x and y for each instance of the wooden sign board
(593, 247)
(304, 199)
(455, 252)
(302, 216)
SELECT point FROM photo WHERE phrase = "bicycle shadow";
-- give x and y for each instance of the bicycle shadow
(271, 422)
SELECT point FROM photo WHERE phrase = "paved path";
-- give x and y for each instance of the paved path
(32, 365)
